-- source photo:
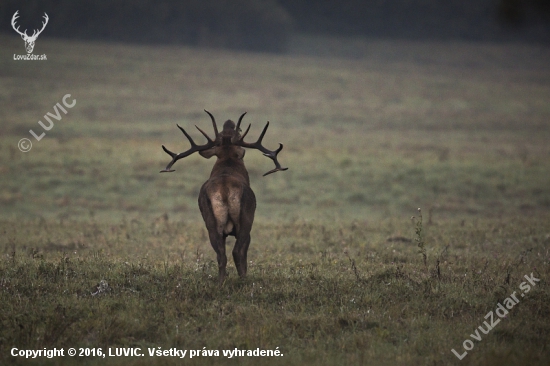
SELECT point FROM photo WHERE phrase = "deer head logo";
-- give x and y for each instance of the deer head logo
(29, 40)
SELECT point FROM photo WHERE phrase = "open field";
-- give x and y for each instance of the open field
(337, 274)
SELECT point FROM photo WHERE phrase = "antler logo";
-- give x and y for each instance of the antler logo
(29, 40)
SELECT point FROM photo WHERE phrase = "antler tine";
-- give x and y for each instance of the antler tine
(187, 135)
(213, 124)
(194, 148)
(168, 151)
(239, 123)
(204, 134)
(245, 132)
(174, 159)
(258, 145)
(263, 133)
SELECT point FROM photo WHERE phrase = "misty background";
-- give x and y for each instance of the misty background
(272, 25)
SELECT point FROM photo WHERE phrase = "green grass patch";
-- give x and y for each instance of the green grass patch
(323, 294)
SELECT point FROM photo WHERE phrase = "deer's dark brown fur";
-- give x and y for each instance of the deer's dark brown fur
(226, 201)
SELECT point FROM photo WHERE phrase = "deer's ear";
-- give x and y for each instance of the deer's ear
(208, 153)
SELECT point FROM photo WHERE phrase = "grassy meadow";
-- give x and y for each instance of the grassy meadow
(99, 250)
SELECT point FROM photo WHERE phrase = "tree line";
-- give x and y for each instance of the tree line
(267, 25)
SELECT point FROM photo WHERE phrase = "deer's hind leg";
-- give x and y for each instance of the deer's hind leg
(213, 218)
(218, 243)
(242, 231)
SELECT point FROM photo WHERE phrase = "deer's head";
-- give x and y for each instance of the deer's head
(225, 147)
(29, 40)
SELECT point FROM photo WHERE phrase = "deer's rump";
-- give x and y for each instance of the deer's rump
(227, 204)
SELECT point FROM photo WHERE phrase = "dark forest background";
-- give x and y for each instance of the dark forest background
(267, 25)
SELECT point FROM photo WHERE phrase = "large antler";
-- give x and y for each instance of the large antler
(194, 147)
(37, 33)
(13, 19)
(258, 145)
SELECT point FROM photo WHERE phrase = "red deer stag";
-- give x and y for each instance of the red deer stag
(226, 200)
